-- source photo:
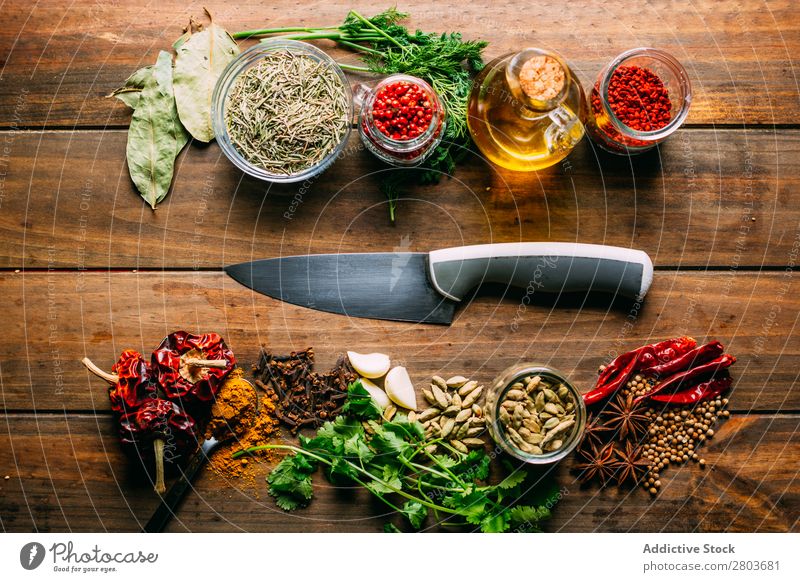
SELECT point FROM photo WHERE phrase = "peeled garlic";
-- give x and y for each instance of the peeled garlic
(378, 395)
(400, 389)
(369, 365)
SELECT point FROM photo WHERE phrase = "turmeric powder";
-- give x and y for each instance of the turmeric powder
(250, 416)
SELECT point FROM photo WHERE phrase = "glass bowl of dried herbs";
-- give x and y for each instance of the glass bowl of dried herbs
(535, 414)
(282, 111)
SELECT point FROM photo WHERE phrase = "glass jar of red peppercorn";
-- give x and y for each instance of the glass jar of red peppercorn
(402, 119)
(639, 99)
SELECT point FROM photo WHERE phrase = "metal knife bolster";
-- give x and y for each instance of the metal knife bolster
(541, 267)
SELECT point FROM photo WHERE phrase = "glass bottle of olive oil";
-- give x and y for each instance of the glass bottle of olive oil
(526, 110)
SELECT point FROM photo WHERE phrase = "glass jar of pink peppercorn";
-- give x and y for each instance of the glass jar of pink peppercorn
(402, 119)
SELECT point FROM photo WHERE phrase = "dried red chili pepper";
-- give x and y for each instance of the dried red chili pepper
(131, 381)
(158, 431)
(693, 375)
(703, 391)
(191, 368)
(618, 372)
(698, 355)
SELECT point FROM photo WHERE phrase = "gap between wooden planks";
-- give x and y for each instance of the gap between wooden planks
(54, 320)
(69, 204)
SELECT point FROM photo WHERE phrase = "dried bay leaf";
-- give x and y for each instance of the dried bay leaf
(200, 60)
(130, 91)
(155, 136)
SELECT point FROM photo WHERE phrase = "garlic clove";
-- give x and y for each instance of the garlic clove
(378, 395)
(400, 389)
(369, 365)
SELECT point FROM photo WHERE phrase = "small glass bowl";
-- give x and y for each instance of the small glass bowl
(609, 132)
(411, 152)
(496, 395)
(226, 81)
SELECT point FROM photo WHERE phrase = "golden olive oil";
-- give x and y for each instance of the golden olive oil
(516, 131)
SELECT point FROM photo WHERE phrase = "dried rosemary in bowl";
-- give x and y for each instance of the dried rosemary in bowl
(287, 113)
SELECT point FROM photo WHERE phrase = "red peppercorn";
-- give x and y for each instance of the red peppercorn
(638, 98)
(405, 110)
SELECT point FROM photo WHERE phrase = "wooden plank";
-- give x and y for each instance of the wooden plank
(59, 62)
(68, 474)
(58, 318)
(727, 199)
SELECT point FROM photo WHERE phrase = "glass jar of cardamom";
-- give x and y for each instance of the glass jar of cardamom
(535, 414)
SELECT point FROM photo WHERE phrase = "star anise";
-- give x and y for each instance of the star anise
(626, 418)
(594, 435)
(600, 464)
(631, 465)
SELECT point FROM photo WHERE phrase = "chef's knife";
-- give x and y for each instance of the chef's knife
(426, 287)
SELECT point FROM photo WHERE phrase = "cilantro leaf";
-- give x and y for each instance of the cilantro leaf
(514, 479)
(290, 482)
(388, 445)
(359, 403)
(415, 512)
(390, 528)
(474, 467)
(495, 522)
(528, 515)
(402, 427)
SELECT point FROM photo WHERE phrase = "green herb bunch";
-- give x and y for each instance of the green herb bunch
(390, 460)
(446, 61)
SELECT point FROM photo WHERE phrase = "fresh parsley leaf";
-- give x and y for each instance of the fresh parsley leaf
(415, 512)
(390, 528)
(359, 403)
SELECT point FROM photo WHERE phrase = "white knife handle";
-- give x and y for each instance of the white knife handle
(542, 267)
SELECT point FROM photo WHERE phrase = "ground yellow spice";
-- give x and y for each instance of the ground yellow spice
(252, 426)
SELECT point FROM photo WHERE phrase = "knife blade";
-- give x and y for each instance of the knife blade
(427, 287)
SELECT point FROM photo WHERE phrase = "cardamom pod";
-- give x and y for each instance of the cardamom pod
(456, 381)
(472, 397)
(459, 446)
(439, 397)
(389, 412)
(473, 442)
(412, 416)
(440, 383)
(532, 384)
(451, 411)
(429, 396)
(447, 427)
(551, 408)
(467, 388)
(456, 401)
(515, 395)
(551, 423)
(463, 415)
(429, 414)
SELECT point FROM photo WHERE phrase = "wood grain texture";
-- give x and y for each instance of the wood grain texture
(59, 62)
(68, 474)
(59, 318)
(728, 199)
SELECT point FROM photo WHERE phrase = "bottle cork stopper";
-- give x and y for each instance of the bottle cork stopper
(541, 78)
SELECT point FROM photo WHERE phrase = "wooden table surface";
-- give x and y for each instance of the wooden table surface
(86, 269)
